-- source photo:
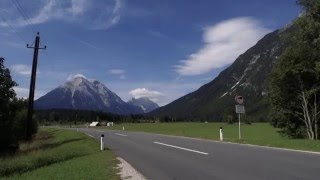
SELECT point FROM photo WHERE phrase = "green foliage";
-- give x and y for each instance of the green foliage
(13, 113)
(8, 141)
(228, 116)
(297, 71)
(229, 119)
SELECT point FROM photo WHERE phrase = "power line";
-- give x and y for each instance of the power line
(13, 29)
(21, 11)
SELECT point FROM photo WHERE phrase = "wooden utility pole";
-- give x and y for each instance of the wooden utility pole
(32, 85)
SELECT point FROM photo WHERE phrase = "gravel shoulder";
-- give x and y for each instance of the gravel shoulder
(128, 172)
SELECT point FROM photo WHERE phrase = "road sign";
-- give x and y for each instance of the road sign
(240, 109)
(239, 99)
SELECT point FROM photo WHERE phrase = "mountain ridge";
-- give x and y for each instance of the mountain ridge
(145, 103)
(247, 76)
(80, 93)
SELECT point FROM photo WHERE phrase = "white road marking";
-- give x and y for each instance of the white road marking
(90, 135)
(270, 147)
(181, 148)
(120, 134)
(100, 131)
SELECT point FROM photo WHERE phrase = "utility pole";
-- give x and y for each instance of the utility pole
(32, 84)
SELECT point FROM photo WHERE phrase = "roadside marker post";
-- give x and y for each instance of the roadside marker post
(122, 128)
(102, 143)
(239, 110)
(221, 134)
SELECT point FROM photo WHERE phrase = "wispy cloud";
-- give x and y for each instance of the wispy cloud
(86, 43)
(106, 14)
(78, 6)
(157, 34)
(118, 72)
(113, 19)
(22, 69)
(223, 42)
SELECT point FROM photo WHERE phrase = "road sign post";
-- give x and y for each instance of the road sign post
(239, 127)
(239, 110)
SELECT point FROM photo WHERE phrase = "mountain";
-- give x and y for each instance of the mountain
(247, 76)
(144, 103)
(80, 93)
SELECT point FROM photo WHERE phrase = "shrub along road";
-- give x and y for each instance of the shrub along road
(168, 157)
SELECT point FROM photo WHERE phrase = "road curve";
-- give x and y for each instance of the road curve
(160, 157)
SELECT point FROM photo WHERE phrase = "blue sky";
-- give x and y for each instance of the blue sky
(161, 49)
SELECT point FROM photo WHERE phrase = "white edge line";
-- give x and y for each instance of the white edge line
(241, 144)
(270, 147)
(120, 134)
(180, 148)
(90, 135)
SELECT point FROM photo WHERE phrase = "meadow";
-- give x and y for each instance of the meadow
(257, 133)
(60, 154)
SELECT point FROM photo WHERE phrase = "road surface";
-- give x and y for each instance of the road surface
(161, 157)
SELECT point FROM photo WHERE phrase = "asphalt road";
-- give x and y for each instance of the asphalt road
(166, 157)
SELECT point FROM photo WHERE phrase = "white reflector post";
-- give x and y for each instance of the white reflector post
(221, 134)
(102, 143)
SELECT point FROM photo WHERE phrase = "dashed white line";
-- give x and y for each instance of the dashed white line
(177, 147)
(120, 134)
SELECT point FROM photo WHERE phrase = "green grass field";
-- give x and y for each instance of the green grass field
(259, 133)
(60, 154)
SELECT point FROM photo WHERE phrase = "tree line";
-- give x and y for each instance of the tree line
(13, 112)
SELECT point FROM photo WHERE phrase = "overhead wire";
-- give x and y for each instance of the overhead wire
(23, 14)
(13, 30)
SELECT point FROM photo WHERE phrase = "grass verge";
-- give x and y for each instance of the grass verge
(258, 133)
(60, 154)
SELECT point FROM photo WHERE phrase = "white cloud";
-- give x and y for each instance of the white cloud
(123, 77)
(143, 92)
(157, 34)
(170, 90)
(24, 92)
(94, 15)
(116, 71)
(22, 69)
(78, 6)
(72, 76)
(223, 43)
